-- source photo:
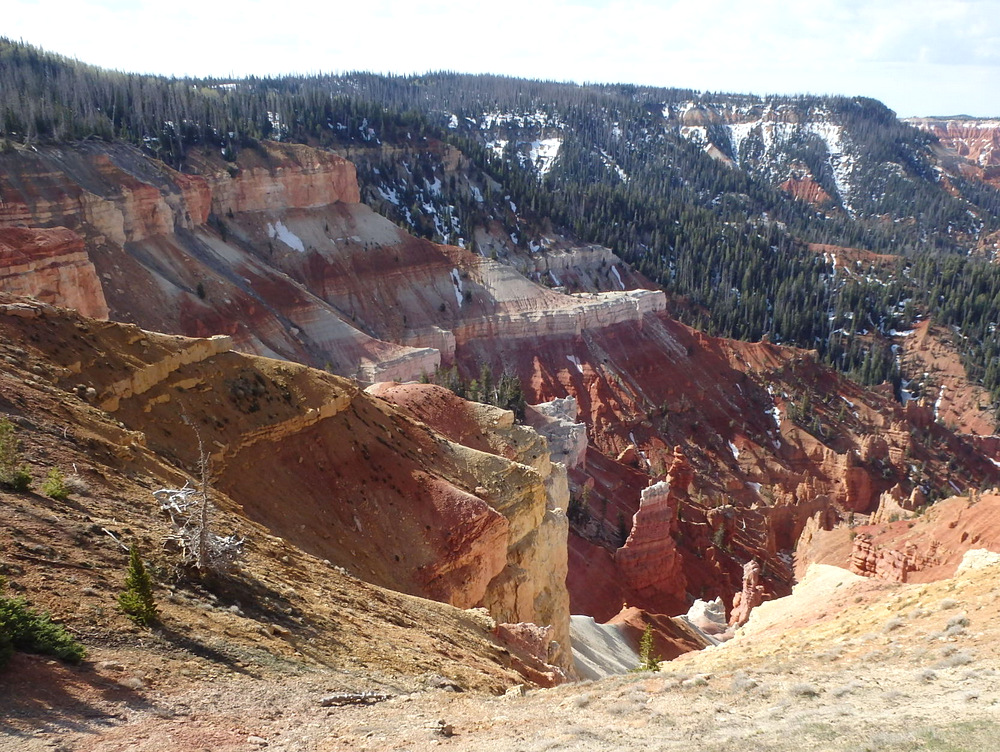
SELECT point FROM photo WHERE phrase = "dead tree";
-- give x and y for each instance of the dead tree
(191, 511)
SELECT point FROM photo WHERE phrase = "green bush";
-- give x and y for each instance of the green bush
(13, 474)
(6, 647)
(137, 599)
(32, 631)
(54, 485)
(649, 661)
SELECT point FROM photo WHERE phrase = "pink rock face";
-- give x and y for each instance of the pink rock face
(751, 596)
(869, 560)
(291, 176)
(859, 490)
(977, 142)
(52, 266)
(471, 547)
(806, 189)
(649, 563)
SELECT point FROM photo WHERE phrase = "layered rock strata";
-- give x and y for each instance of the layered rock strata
(51, 265)
(339, 473)
(649, 563)
(751, 596)
(531, 586)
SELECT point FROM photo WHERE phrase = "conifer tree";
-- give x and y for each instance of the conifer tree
(136, 601)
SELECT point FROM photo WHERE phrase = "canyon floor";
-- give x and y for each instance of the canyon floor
(844, 663)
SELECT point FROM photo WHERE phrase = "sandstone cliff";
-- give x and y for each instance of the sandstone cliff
(532, 585)
(52, 266)
(332, 470)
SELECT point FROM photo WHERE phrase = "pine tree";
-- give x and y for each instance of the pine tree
(137, 599)
(649, 661)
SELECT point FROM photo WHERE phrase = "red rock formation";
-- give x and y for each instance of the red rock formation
(805, 188)
(336, 286)
(859, 490)
(975, 142)
(751, 596)
(671, 636)
(895, 505)
(869, 560)
(52, 266)
(951, 396)
(649, 563)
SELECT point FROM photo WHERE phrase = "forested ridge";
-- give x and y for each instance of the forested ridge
(635, 170)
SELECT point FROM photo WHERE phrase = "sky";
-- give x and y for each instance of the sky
(919, 57)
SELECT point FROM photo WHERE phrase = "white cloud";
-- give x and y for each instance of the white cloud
(918, 56)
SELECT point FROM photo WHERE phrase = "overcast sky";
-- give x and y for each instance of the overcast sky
(920, 57)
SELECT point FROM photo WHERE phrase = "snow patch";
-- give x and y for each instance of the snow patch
(938, 401)
(575, 361)
(614, 270)
(543, 153)
(735, 450)
(286, 236)
(389, 194)
(456, 281)
(613, 166)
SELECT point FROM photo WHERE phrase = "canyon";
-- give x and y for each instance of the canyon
(255, 316)
(973, 144)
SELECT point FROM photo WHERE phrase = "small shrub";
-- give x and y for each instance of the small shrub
(847, 689)
(894, 623)
(958, 621)
(13, 473)
(803, 690)
(136, 601)
(55, 486)
(742, 682)
(34, 632)
(75, 484)
(6, 647)
(955, 659)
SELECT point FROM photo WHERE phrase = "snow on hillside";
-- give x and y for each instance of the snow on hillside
(286, 236)
(543, 153)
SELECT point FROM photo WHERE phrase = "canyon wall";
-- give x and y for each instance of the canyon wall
(52, 266)
(337, 472)
(273, 253)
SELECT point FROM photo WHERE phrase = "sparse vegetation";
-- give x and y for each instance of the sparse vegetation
(505, 392)
(893, 624)
(23, 628)
(136, 601)
(14, 474)
(54, 486)
(803, 689)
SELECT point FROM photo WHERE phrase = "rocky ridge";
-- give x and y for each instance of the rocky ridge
(471, 527)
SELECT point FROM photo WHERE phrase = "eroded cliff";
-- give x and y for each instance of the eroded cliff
(328, 468)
